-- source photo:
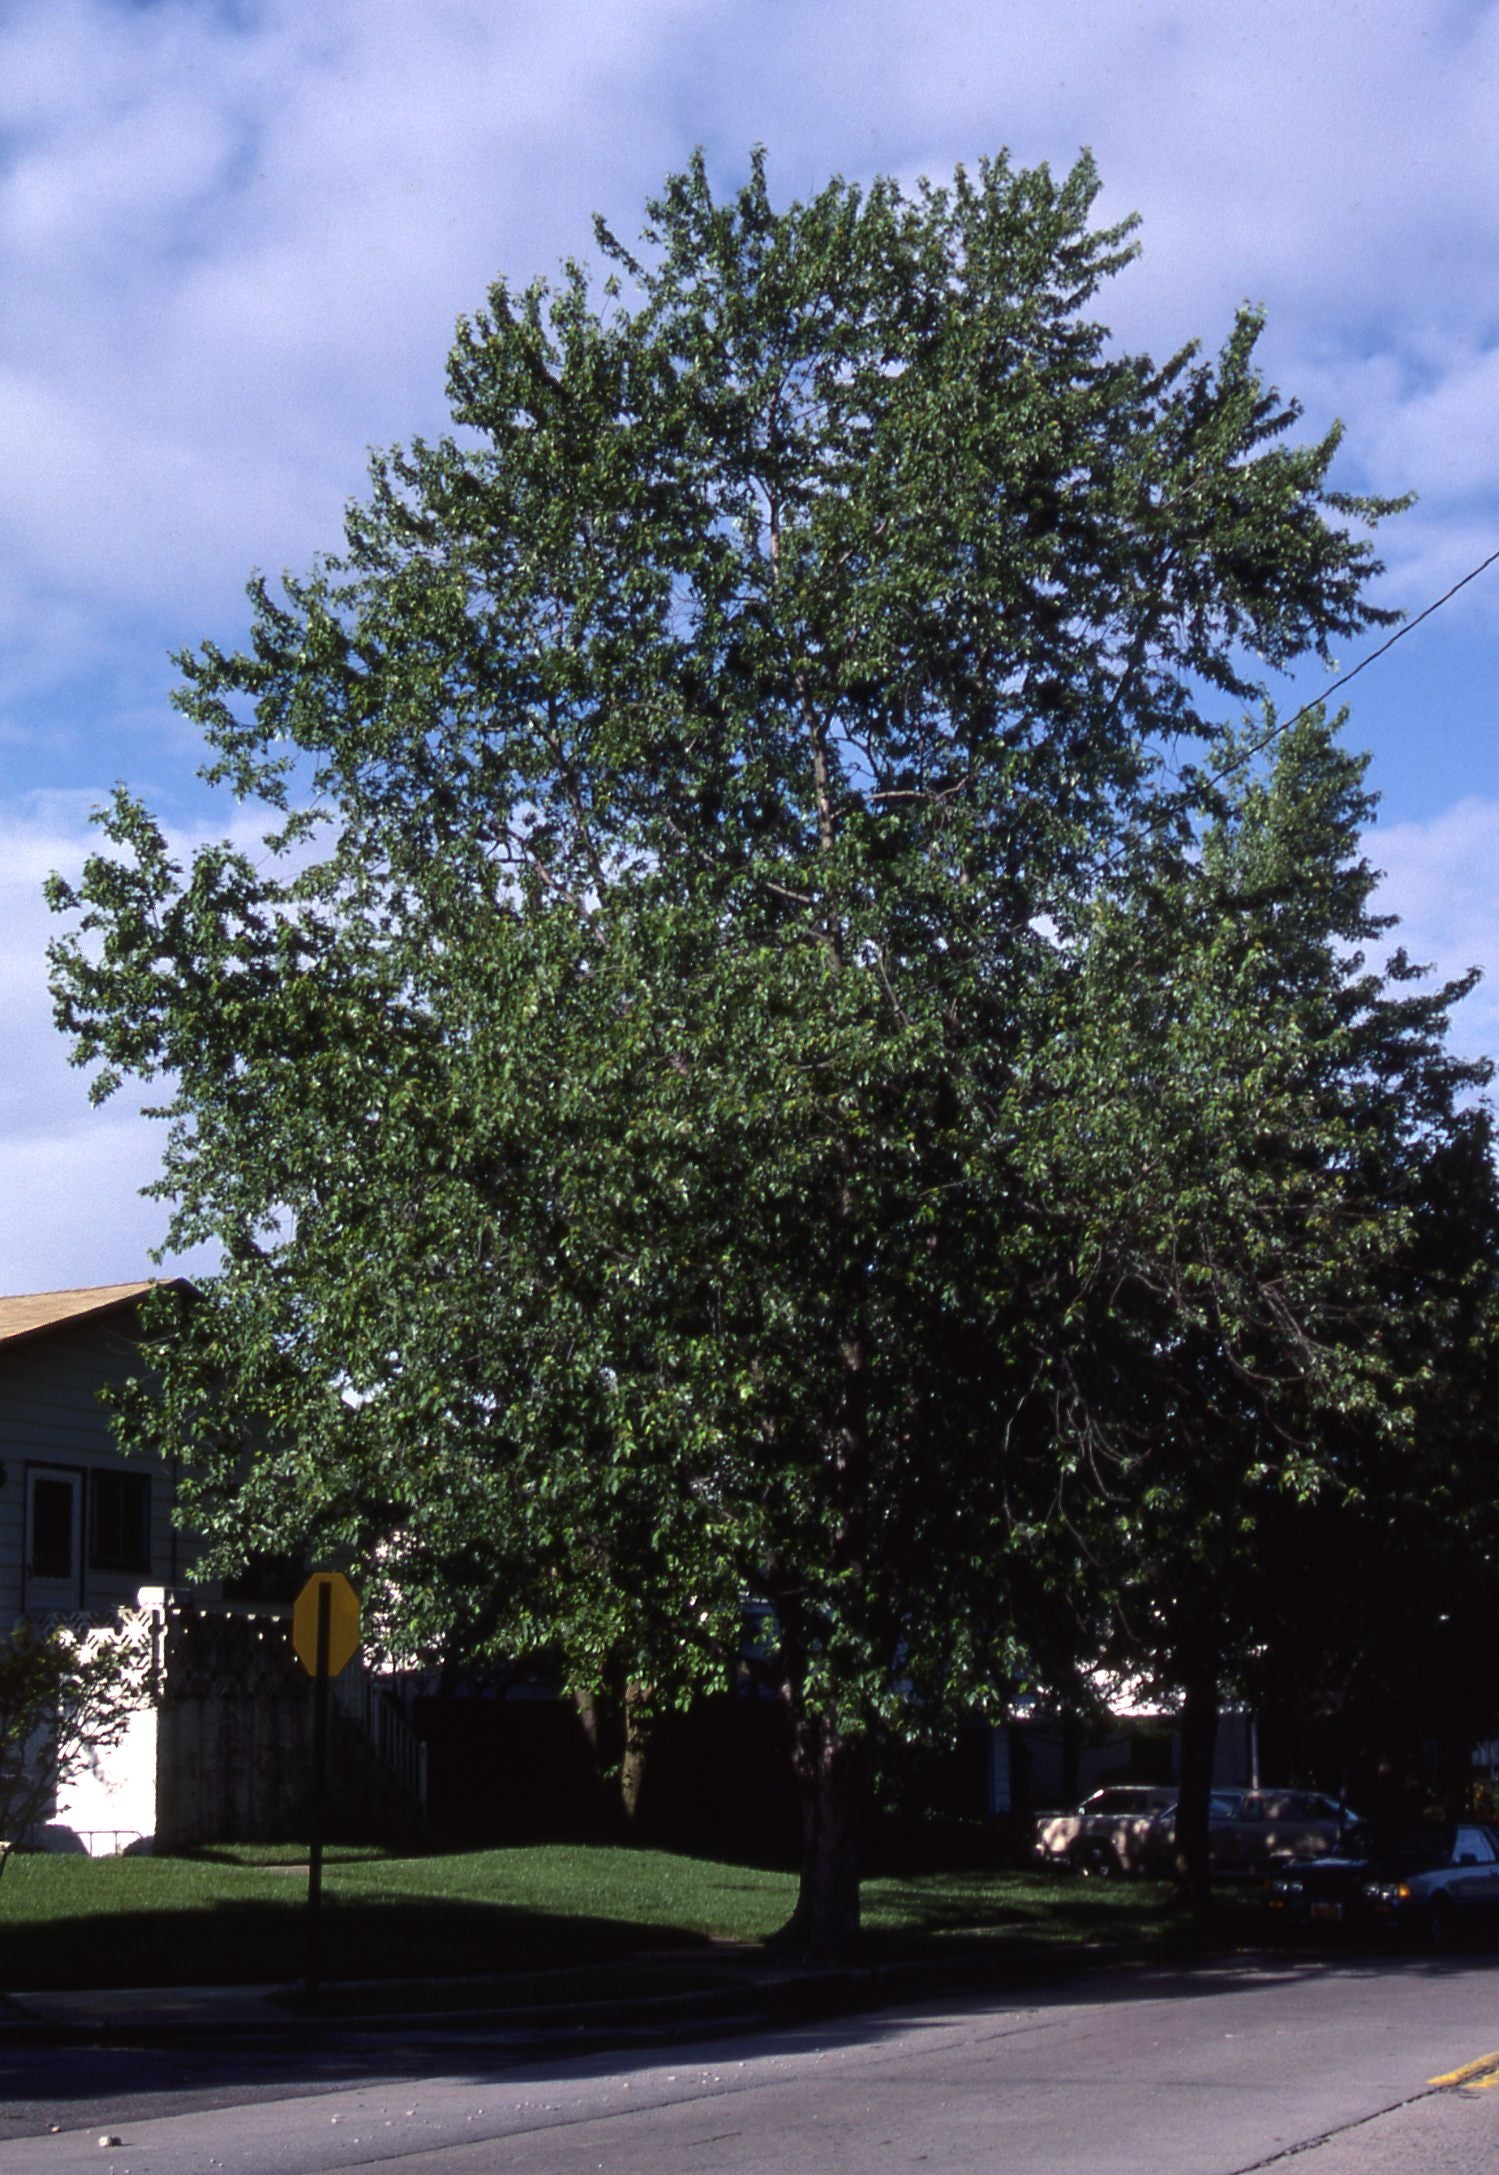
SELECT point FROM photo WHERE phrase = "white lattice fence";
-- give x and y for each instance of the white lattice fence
(108, 1804)
(137, 1631)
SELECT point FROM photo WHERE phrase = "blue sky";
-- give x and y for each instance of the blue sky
(234, 239)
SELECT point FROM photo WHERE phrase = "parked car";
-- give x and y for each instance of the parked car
(1117, 1830)
(1433, 1881)
(1131, 1828)
(1266, 1826)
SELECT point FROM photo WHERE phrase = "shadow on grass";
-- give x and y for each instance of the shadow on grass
(280, 1855)
(395, 1922)
(383, 1924)
(262, 1941)
(1033, 1910)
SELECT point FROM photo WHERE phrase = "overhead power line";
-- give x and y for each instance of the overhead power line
(1409, 626)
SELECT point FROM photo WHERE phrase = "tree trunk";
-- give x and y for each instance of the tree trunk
(1071, 1749)
(633, 1759)
(593, 1713)
(1199, 1737)
(616, 1725)
(832, 1772)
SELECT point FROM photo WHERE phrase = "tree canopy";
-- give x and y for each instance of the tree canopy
(1284, 1202)
(627, 1091)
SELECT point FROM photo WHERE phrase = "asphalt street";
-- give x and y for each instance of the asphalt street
(1361, 2066)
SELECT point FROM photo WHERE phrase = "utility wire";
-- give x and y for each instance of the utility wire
(1283, 725)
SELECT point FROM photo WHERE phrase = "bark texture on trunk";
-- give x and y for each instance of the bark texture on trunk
(832, 1772)
(616, 1725)
(1199, 1738)
(633, 1759)
(593, 1712)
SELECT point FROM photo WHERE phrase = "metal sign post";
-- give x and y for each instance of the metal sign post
(325, 1634)
(319, 1777)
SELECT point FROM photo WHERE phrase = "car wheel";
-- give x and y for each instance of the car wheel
(1099, 1862)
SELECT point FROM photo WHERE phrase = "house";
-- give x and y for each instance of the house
(218, 1747)
(82, 1528)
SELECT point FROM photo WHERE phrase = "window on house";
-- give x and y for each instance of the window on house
(52, 1503)
(120, 1521)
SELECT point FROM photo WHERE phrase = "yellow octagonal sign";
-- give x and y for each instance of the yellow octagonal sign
(343, 1621)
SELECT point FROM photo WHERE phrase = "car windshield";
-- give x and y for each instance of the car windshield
(1421, 1857)
(1394, 1856)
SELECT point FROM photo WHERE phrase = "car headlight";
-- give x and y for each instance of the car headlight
(1387, 1891)
(1284, 1887)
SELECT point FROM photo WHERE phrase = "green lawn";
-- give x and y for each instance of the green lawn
(240, 1916)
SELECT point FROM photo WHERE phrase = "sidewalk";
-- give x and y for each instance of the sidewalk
(150, 2011)
(766, 1993)
(164, 2014)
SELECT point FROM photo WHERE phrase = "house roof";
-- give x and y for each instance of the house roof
(28, 1313)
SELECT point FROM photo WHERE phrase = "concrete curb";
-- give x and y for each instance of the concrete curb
(271, 2015)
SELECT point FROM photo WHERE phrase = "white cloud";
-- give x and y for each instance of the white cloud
(234, 241)
(1439, 879)
(1444, 433)
(70, 1174)
(237, 254)
(74, 1215)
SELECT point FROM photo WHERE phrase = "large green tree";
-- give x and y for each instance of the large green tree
(1282, 1204)
(608, 1088)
